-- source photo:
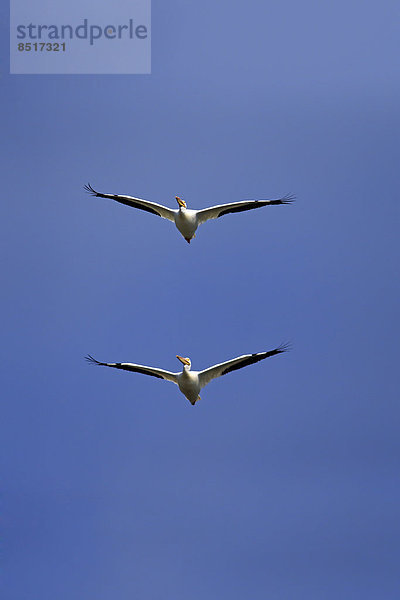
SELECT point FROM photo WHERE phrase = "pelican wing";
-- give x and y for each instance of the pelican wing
(237, 363)
(160, 373)
(151, 207)
(224, 209)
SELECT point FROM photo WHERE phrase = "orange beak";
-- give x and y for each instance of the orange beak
(181, 202)
(183, 360)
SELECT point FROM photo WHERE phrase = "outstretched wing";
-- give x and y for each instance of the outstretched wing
(224, 209)
(151, 207)
(237, 363)
(160, 373)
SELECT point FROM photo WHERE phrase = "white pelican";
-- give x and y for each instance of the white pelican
(186, 220)
(191, 382)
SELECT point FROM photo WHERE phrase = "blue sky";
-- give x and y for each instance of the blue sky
(283, 481)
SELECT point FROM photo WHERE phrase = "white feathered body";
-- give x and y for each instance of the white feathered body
(189, 384)
(186, 222)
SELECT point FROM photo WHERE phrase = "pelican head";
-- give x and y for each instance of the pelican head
(185, 361)
(181, 202)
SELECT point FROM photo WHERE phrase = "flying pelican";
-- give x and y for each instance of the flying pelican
(186, 220)
(191, 382)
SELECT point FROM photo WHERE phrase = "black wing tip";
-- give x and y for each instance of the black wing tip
(285, 347)
(288, 199)
(88, 188)
(92, 360)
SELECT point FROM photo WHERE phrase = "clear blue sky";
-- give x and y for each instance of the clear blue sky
(282, 482)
